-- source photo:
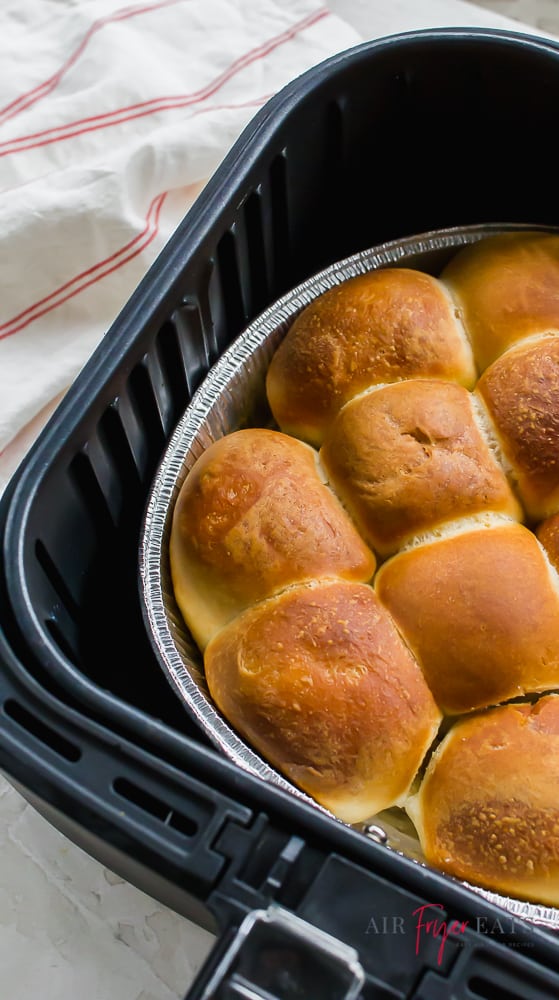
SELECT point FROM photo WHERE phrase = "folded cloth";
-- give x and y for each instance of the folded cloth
(112, 118)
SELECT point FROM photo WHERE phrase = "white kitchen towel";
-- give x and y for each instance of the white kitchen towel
(112, 118)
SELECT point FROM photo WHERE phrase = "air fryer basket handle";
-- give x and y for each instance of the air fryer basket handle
(139, 814)
(278, 956)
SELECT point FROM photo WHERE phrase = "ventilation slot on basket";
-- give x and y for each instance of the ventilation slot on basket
(256, 253)
(490, 991)
(91, 494)
(112, 432)
(56, 580)
(41, 732)
(147, 411)
(330, 225)
(337, 144)
(173, 370)
(192, 343)
(221, 306)
(235, 314)
(280, 225)
(155, 807)
(61, 640)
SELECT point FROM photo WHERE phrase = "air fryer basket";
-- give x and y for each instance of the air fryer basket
(408, 134)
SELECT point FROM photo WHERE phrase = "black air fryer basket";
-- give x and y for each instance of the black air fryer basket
(401, 136)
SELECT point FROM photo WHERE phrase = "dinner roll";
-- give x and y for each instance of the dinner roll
(408, 457)
(487, 810)
(318, 681)
(547, 533)
(521, 392)
(252, 517)
(383, 326)
(507, 287)
(480, 610)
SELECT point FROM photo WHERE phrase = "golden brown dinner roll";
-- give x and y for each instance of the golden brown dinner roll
(488, 808)
(408, 457)
(507, 287)
(480, 610)
(521, 393)
(318, 681)
(252, 517)
(547, 533)
(383, 326)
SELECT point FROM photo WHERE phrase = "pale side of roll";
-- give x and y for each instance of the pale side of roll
(520, 391)
(253, 516)
(319, 682)
(547, 533)
(487, 810)
(480, 610)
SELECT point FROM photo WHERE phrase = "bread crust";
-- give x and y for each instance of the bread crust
(521, 393)
(547, 533)
(487, 810)
(409, 457)
(507, 288)
(252, 517)
(383, 326)
(480, 609)
(319, 681)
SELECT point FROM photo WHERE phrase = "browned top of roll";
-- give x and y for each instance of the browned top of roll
(318, 680)
(521, 393)
(481, 612)
(507, 287)
(252, 517)
(408, 457)
(383, 326)
(488, 808)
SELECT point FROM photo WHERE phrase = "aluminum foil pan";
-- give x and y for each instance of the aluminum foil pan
(233, 396)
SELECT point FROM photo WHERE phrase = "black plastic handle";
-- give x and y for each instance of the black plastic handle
(275, 955)
(149, 821)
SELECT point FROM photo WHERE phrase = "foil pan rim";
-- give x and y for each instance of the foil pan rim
(193, 433)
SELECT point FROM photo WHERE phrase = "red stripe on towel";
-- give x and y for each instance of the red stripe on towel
(33, 312)
(42, 89)
(91, 275)
(143, 108)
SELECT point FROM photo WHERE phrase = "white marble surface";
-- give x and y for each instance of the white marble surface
(541, 14)
(69, 928)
